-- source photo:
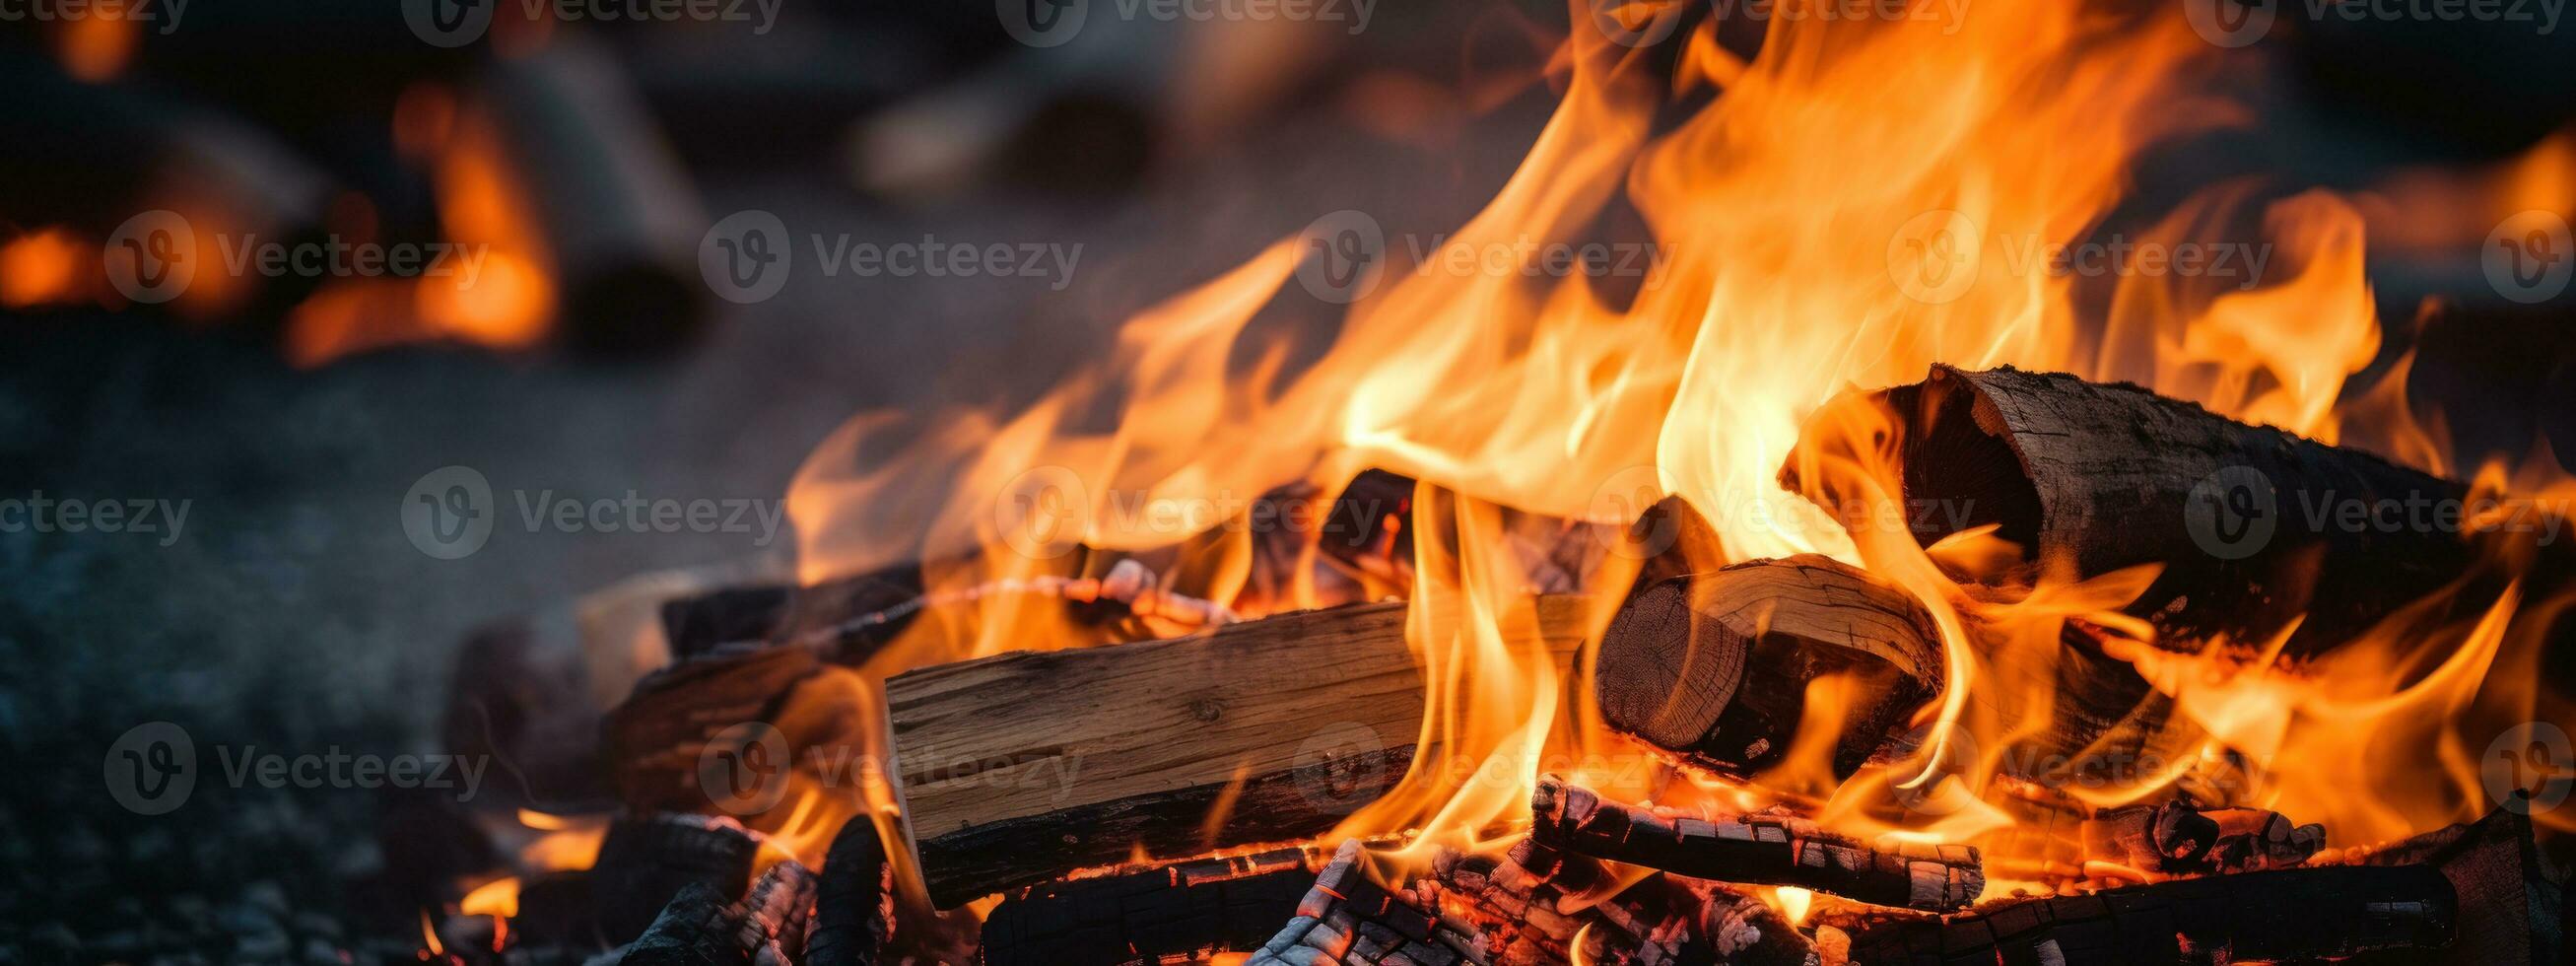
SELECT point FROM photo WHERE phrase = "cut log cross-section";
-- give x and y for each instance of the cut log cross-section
(1715, 666)
(1022, 767)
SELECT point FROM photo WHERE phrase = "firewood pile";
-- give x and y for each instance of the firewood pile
(1190, 809)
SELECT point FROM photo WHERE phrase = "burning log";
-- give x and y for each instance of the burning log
(644, 862)
(776, 916)
(1022, 767)
(1714, 667)
(1155, 915)
(854, 901)
(2176, 838)
(2512, 908)
(1346, 918)
(2245, 519)
(1742, 930)
(2291, 914)
(2252, 525)
(1756, 850)
(1538, 904)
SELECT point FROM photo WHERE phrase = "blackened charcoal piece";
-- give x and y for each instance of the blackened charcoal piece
(645, 861)
(696, 929)
(1756, 850)
(2294, 915)
(1233, 904)
(1348, 920)
(854, 900)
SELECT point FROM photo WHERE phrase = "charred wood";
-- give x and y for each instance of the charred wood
(1349, 919)
(645, 861)
(1155, 915)
(2290, 914)
(853, 900)
(1756, 850)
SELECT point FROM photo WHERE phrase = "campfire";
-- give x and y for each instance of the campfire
(1858, 586)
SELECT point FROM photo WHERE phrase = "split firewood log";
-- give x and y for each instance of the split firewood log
(1022, 767)
(1714, 667)
(1756, 850)
(2176, 838)
(2293, 915)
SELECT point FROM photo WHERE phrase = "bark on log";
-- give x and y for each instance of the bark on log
(2292, 914)
(1715, 667)
(2105, 476)
(2244, 520)
(1022, 767)
(1756, 850)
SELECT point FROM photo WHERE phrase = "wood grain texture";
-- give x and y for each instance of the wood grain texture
(1714, 667)
(1023, 766)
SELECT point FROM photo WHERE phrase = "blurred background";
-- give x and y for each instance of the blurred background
(566, 325)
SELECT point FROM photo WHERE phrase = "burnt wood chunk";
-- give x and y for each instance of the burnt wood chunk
(695, 929)
(656, 736)
(2294, 915)
(853, 900)
(1157, 915)
(1020, 768)
(646, 860)
(1756, 850)
(1714, 667)
(1348, 919)
(2512, 907)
